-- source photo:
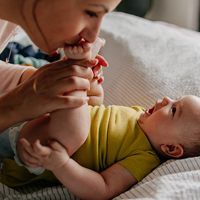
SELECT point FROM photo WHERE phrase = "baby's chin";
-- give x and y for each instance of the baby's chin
(140, 120)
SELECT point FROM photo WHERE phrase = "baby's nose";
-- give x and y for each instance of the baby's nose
(165, 101)
(159, 101)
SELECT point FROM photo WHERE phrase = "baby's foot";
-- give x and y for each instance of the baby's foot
(84, 49)
(96, 46)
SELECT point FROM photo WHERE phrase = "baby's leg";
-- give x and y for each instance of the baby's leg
(70, 127)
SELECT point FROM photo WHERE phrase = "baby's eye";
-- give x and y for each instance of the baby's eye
(173, 111)
(91, 14)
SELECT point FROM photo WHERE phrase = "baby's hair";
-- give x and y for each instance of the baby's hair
(191, 145)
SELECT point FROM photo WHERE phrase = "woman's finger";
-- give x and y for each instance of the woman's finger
(51, 88)
(68, 102)
(97, 70)
(63, 69)
(69, 62)
(102, 61)
(71, 84)
(62, 87)
(74, 76)
(74, 70)
(101, 80)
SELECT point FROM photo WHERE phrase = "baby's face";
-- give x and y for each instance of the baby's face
(168, 119)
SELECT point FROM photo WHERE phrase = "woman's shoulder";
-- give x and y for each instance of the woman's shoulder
(7, 31)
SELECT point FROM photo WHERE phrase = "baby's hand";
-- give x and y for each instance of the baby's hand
(84, 49)
(51, 158)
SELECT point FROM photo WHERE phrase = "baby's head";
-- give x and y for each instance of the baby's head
(173, 126)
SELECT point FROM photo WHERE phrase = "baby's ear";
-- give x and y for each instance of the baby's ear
(172, 150)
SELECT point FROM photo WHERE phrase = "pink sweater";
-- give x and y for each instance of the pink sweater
(9, 74)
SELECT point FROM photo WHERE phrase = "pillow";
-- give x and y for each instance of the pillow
(147, 61)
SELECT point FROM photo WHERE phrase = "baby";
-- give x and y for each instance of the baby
(75, 120)
(173, 127)
(120, 148)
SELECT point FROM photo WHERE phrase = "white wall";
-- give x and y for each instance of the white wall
(184, 13)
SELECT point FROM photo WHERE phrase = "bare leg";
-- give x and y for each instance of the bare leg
(70, 127)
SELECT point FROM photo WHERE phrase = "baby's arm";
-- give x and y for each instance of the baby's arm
(83, 182)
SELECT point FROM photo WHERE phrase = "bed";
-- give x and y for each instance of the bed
(147, 61)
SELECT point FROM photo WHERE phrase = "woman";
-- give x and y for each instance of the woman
(51, 24)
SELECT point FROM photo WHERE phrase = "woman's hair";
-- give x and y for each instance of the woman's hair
(37, 24)
(35, 19)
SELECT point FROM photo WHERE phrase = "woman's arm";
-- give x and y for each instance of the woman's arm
(10, 75)
(26, 102)
(27, 73)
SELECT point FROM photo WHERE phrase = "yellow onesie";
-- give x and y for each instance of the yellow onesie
(114, 137)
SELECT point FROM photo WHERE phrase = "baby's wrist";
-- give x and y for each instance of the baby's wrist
(61, 167)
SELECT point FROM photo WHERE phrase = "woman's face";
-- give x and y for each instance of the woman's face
(61, 22)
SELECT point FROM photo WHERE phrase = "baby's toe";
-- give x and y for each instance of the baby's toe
(80, 49)
(75, 50)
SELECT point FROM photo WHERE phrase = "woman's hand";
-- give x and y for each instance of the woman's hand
(97, 70)
(43, 91)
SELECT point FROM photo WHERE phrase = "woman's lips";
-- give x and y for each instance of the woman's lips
(75, 43)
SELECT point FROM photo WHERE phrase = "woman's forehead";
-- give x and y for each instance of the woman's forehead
(108, 5)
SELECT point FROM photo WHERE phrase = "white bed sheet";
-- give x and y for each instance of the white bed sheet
(147, 61)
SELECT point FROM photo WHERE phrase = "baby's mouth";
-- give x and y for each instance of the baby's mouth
(149, 111)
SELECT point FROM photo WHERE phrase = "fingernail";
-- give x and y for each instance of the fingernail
(94, 62)
(64, 58)
(87, 98)
(96, 73)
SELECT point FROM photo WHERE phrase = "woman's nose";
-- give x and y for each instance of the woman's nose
(91, 32)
